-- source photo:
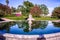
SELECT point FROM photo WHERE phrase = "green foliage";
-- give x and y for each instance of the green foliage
(25, 8)
(44, 8)
(28, 4)
(19, 8)
(13, 10)
(56, 12)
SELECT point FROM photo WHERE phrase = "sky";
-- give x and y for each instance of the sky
(51, 4)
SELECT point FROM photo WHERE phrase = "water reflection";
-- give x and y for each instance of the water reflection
(6, 25)
(56, 24)
(34, 25)
(24, 25)
(39, 24)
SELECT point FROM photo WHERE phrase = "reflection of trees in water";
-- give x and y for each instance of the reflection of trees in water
(26, 29)
(24, 25)
(39, 24)
(35, 25)
(6, 25)
(56, 24)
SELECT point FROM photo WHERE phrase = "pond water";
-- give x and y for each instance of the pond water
(37, 27)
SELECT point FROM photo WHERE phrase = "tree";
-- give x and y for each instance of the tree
(56, 12)
(36, 11)
(26, 7)
(23, 10)
(4, 10)
(1, 11)
(13, 9)
(28, 4)
(44, 8)
(19, 8)
(7, 2)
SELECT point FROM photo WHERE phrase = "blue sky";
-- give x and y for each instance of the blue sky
(51, 4)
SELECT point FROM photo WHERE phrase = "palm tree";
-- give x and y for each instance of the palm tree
(7, 2)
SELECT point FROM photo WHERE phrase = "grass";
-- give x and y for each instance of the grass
(36, 18)
(46, 18)
(16, 18)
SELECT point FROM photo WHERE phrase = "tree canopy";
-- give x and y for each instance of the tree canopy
(27, 4)
(13, 9)
(44, 9)
(25, 8)
(4, 10)
(36, 11)
(56, 12)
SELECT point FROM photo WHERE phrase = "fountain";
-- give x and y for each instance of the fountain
(30, 21)
(30, 17)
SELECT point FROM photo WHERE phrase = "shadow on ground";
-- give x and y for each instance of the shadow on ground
(2, 37)
(42, 37)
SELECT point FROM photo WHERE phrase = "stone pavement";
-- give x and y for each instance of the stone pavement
(54, 36)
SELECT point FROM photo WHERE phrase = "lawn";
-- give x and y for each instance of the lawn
(16, 18)
(36, 18)
(46, 18)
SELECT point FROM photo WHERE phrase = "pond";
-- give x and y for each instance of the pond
(23, 28)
